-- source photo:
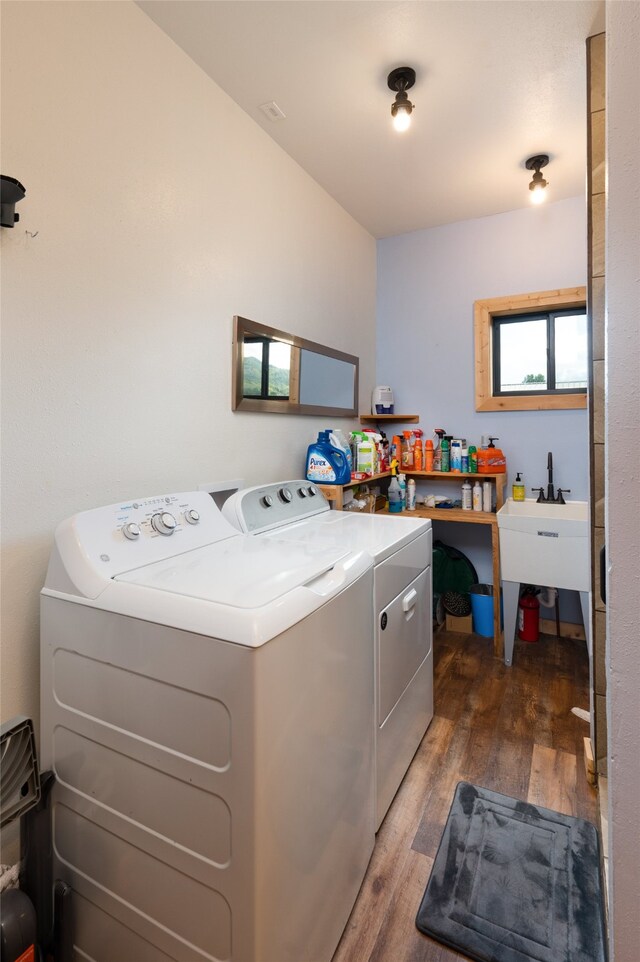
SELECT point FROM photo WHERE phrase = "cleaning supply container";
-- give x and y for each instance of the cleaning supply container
(518, 488)
(394, 494)
(491, 460)
(326, 463)
(482, 609)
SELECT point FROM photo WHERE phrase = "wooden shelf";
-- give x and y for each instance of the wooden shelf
(456, 474)
(404, 418)
(367, 480)
(447, 514)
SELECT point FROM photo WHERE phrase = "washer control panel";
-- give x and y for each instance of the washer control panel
(269, 506)
(123, 536)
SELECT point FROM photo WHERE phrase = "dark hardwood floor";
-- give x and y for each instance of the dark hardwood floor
(507, 729)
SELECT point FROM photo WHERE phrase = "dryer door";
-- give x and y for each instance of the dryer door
(404, 685)
(403, 642)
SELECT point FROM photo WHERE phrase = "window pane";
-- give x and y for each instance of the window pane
(279, 363)
(253, 353)
(523, 356)
(571, 351)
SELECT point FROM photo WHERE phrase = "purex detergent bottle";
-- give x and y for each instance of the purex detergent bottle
(326, 463)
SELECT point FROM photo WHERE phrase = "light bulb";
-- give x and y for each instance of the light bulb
(402, 120)
(538, 195)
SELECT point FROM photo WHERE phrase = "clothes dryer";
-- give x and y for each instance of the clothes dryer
(207, 711)
(401, 548)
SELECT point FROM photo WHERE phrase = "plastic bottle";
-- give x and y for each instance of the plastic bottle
(418, 459)
(385, 460)
(366, 463)
(394, 494)
(326, 463)
(467, 500)
(428, 455)
(477, 496)
(354, 438)
(411, 495)
(487, 496)
(491, 459)
(437, 454)
(518, 488)
(444, 456)
(473, 459)
(374, 437)
(464, 455)
(402, 481)
(396, 449)
(338, 439)
(455, 456)
(407, 452)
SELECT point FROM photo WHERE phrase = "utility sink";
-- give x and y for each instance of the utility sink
(545, 544)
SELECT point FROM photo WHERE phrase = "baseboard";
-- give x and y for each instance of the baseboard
(567, 629)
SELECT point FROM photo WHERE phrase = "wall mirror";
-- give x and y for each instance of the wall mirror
(279, 373)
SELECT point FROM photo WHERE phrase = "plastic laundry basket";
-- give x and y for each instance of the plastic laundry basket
(482, 609)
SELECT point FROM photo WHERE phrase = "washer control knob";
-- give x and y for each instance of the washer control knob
(266, 501)
(302, 492)
(163, 523)
(191, 516)
(285, 495)
(131, 531)
(312, 491)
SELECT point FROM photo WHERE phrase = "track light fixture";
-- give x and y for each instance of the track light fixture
(401, 79)
(538, 183)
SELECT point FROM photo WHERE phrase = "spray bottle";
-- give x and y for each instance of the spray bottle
(418, 460)
(444, 458)
(437, 455)
(407, 451)
(394, 493)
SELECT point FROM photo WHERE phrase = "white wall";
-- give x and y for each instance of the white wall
(622, 473)
(161, 210)
(427, 284)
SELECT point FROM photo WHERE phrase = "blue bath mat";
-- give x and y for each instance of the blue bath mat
(515, 883)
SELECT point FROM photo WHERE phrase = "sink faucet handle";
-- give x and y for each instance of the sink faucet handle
(561, 492)
(540, 494)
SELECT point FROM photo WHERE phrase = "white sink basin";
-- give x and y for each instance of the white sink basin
(545, 544)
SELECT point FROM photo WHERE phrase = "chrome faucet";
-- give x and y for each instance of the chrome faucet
(550, 497)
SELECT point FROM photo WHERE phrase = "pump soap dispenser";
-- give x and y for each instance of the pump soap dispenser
(518, 488)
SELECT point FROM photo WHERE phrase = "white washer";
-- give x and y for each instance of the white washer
(403, 627)
(207, 710)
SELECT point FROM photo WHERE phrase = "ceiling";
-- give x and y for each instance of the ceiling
(497, 81)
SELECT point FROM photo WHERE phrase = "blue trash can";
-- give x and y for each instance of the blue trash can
(482, 609)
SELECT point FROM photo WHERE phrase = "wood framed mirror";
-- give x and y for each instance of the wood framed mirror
(279, 373)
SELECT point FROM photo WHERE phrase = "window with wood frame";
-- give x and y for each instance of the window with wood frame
(531, 351)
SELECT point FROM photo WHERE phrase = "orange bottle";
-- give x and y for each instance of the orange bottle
(417, 455)
(491, 460)
(407, 452)
(428, 455)
(396, 449)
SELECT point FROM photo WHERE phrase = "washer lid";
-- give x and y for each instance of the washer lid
(379, 535)
(242, 572)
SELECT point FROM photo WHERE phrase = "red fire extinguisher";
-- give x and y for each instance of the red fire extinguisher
(529, 616)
